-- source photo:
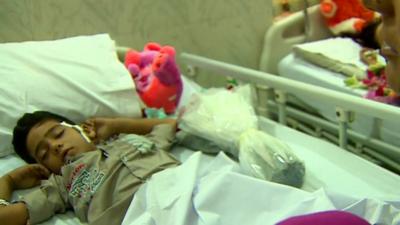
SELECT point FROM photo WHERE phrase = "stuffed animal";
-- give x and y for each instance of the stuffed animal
(375, 82)
(346, 16)
(156, 76)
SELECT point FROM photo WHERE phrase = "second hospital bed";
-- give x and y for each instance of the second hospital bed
(356, 183)
(369, 136)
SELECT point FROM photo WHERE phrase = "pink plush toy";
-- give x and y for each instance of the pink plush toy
(156, 75)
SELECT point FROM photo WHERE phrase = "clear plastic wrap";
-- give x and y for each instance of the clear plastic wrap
(220, 115)
(218, 119)
(266, 157)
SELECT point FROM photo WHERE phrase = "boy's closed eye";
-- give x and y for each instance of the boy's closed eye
(44, 147)
(59, 132)
(43, 153)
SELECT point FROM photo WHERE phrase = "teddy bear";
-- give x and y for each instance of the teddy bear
(156, 76)
(346, 16)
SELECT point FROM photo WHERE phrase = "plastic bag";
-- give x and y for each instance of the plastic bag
(266, 157)
(198, 143)
(219, 119)
(220, 116)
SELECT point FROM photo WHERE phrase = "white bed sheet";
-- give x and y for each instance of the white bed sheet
(330, 171)
(212, 191)
(295, 68)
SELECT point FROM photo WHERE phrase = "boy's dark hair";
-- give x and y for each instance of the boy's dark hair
(24, 125)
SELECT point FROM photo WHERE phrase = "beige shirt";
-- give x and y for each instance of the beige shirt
(99, 185)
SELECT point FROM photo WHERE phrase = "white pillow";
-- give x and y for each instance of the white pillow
(77, 77)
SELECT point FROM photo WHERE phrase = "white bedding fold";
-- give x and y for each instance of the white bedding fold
(336, 54)
(215, 192)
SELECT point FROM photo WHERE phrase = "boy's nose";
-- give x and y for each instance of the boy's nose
(56, 147)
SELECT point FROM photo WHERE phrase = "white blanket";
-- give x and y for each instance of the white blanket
(215, 192)
(338, 54)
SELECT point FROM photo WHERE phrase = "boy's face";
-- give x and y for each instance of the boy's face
(50, 143)
(390, 34)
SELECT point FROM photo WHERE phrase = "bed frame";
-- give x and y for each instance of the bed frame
(339, 133)
(281, 36)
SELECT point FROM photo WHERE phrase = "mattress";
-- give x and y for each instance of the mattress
(295, 68)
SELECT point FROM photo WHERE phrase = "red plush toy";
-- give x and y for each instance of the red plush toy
(346, 16)
(156, 76)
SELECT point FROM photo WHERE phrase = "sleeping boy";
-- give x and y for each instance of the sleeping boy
(95, 178)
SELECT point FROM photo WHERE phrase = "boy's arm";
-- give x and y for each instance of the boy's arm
(13, 213)
(138, 126)
(103, 128)
(20, 178)
(6, 187)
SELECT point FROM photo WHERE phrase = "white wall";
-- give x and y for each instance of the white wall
(228, 30)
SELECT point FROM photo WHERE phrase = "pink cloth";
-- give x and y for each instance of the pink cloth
(325, 218)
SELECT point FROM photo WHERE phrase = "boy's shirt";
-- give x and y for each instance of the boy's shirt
(99, 185)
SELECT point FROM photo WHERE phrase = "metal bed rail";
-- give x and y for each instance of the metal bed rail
(273, 93)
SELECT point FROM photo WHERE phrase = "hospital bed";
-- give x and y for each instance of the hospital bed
(368, 136)
(335, 178)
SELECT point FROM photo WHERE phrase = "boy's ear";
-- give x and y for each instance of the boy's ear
(89, 129)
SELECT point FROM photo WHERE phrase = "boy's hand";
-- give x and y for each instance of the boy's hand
(99, 129)
(28, 176)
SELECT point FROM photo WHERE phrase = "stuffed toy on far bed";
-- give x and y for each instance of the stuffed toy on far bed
(346, 16)
(156, 76)
(352, 19)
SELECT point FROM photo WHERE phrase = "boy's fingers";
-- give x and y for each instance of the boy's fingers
(89, 129)
(41, 171)
(88, 123)
(95, 140)
(45, 172)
